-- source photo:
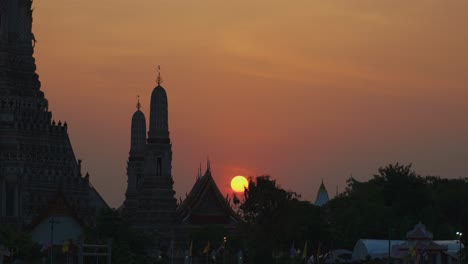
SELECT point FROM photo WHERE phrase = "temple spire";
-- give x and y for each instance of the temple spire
(138, 129)
(322, 195)
(199, 171)
(159, 127)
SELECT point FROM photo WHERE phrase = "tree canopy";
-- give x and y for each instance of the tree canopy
(275, 220)
(393, 201)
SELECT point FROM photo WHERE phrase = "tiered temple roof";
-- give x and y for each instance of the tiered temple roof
(205, 205)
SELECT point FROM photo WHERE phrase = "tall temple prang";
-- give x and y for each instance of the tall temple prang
(150, 204)
(135, 160)
(36, 155)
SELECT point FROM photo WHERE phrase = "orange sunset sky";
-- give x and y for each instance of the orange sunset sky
(303, 90)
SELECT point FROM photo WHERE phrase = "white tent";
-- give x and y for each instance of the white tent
(373, 248)
(378, 249)
(452, 245)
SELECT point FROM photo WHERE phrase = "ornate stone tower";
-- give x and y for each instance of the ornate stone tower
(135, 161)
(35, 151)
(156, 205)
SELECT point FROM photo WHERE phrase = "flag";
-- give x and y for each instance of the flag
(318, 252)
(304, 252)
(190, 248)
(292, 250)
(412, 251)
(206, 250)
(45, 246)
(65, 247)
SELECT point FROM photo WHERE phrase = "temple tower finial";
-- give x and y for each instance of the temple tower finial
(138, 103)
(159, 79)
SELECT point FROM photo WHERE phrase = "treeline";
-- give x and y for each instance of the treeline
(393, 201)
(388, 205)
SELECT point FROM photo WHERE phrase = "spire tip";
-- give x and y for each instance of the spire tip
(159, 79)
(138, 104)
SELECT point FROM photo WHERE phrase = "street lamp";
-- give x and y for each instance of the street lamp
(459, 235)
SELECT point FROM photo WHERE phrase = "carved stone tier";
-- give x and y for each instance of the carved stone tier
(35, 152)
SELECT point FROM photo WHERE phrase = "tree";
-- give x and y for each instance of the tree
(21, 243)
(128, 245)
(274, 218)
(393, 201)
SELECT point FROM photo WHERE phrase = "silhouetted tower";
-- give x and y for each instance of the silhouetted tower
(159, 128)
(322, 195)
(156, 202)
(17, 65)
(35, 151)
(135, 160)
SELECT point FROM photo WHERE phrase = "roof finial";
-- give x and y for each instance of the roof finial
(199, 172)
(208, 166)
(138, 104)
(159, 80)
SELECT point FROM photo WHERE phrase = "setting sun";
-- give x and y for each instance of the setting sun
(239, 183)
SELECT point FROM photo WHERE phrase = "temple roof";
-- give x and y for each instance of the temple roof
(419, 233)
(57, 206)
(206, 191)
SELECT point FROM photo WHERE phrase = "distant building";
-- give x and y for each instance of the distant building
(35, 151)
(322, 195)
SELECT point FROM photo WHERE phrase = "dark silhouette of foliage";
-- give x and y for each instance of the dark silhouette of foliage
(20, 243)
(274, 218)
(393, 201)
(128, 245)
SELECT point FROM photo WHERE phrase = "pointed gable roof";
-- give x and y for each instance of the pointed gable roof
(322, 195)
(419, 233)
(206, 205)
(57, 206)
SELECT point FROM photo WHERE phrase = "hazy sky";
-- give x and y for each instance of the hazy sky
(302, 90)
